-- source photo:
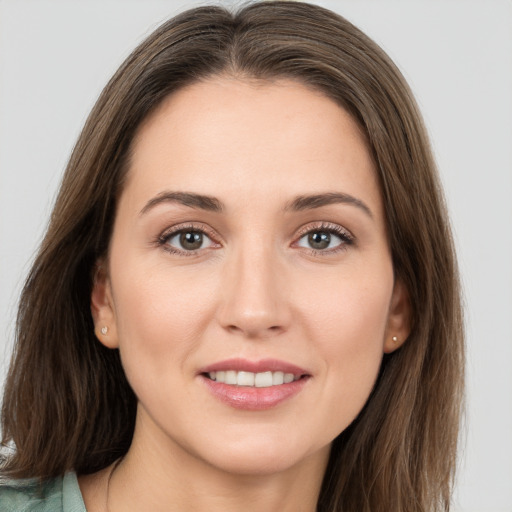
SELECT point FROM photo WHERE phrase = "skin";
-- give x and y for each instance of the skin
(254, 290)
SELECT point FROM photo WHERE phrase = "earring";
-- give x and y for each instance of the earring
(394, 339)
(104, 330)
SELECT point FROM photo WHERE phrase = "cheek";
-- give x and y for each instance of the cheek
(348, 319)
(159, 315)
(350, 307)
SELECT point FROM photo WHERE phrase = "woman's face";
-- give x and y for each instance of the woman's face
(249, 249)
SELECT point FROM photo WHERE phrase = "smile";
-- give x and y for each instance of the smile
(254, 385)
(251, 379)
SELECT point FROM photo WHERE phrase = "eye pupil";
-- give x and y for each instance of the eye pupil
(319, 239)
(191, 240)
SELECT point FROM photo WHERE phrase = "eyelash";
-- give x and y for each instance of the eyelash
(347, 239)
(163, 239)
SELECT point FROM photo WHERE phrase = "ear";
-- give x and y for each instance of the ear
(102, 308)
(399, 318)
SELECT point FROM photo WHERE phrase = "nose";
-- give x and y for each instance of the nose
(254, 300)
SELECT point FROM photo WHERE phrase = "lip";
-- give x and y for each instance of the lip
(252, 398)
(263, 365)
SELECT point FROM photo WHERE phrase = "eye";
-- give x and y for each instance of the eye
(186, 240)
(320, 240)
(325, 238)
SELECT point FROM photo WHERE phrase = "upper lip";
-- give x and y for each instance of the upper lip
(263, 365)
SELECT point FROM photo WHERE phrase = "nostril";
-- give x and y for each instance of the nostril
(255, 331)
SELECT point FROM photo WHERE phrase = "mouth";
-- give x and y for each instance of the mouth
(250, 385)
(253, 380)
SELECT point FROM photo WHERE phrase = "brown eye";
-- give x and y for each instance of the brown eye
(319, 240)
(189, 240)
(325, 239)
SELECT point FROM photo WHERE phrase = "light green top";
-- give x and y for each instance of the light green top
(60, 494)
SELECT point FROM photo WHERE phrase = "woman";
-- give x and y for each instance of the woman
(247, 295)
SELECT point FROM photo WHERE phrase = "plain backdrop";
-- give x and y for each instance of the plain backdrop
(55, 56)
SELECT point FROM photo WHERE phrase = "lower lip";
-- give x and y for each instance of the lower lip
(252, 398)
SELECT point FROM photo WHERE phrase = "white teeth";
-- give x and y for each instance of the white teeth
(231, 377)
(250, 379)
(245, 379)
(263, 380)
(277, 378)
(288, 377)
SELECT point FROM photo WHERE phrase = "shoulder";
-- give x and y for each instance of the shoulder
(31, 495)
(60, 494)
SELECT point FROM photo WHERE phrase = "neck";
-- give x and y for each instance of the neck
(159, 475)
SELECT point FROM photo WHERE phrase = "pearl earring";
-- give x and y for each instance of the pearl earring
(104, 330)
(395, 339)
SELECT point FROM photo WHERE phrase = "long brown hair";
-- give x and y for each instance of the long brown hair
(67, 403)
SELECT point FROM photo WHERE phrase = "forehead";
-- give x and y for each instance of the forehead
(232, 137)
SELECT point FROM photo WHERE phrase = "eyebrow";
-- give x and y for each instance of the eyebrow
(308, 202)
(197, 201)
(212, 204)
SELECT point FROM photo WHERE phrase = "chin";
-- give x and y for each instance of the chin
(265, 458)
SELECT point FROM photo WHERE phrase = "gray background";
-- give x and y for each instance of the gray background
(55, 56)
